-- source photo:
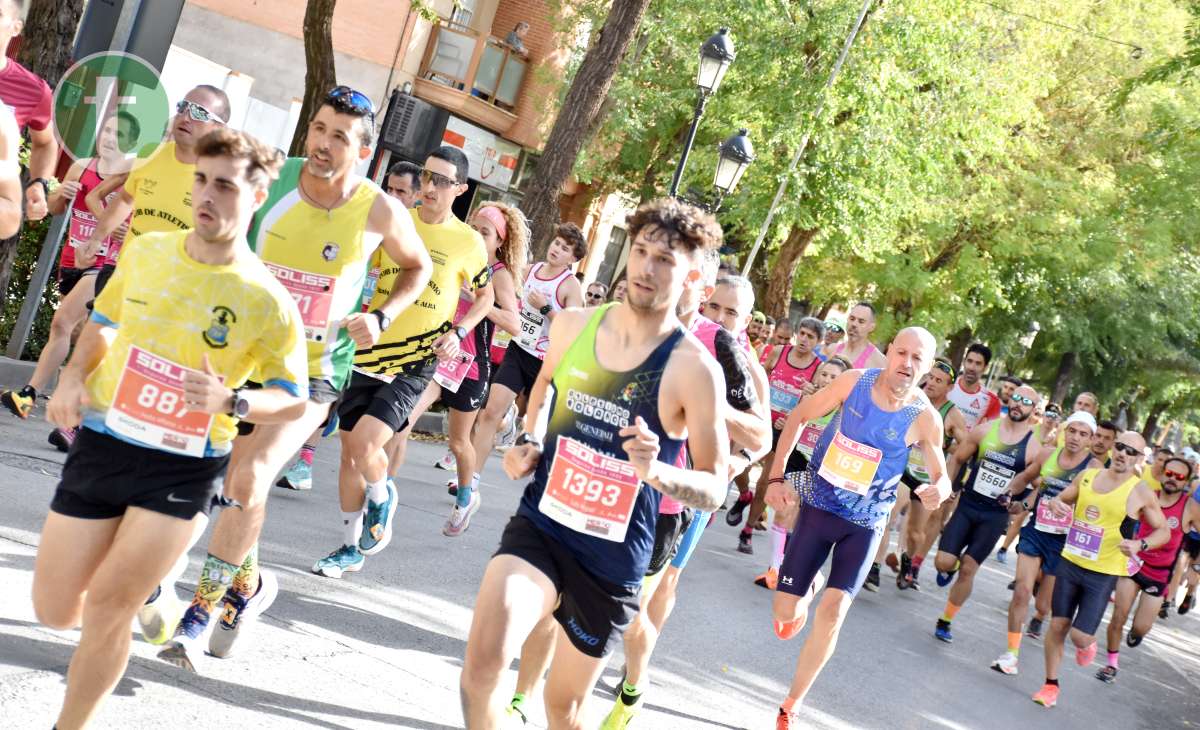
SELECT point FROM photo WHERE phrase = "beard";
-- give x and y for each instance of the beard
(1017, 416)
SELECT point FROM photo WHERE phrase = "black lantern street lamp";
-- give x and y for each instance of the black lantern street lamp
(716, 55)
(734, 155)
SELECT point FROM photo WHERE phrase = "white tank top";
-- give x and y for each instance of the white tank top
(535, 327)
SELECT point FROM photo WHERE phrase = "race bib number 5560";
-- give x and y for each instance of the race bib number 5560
(148, 406)
(589, 492)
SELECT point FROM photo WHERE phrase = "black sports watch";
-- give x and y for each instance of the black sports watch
(460, 333)
(546, 309)
(41, 181)
(528, 438)
(241, 407)
(1145, 547)
(384, 320)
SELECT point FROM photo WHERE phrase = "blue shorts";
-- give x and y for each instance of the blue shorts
(1081, 595)
(690, 539)
(815, 535)
(1045, 546)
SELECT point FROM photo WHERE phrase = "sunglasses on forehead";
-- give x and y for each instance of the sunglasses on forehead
(945, 367)
(1127, 449)
(197, 112)
(351, 100)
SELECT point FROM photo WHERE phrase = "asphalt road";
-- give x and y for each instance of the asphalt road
(384, 647)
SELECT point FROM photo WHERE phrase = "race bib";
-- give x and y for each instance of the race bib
(850, 465)
(1046, 521)
(83, 225)
(148, 406)
(451, 373)
(531, 328)
(992, 479)
(783, 401)
(314, 298)
(809, 436)
(916, 465)
(501, 338)
(589, 492)
(369, 288)
(1084, 540)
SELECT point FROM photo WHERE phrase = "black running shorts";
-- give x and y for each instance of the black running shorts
(593, 612)
(519, 370)
(391, 402)
(1081, 595)
(104, 475)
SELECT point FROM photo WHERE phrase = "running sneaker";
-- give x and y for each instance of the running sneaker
(1012, 585)
(1006, 664)
(1047, 696)
(1086, 655)
(346, 559)
(788, 629)
(159, 616)
(1164, 609)
(298, 478)
(1186, 604)
(943, 579)
(20, 405)
(786, 720)
(238, 612)
(506, 435)
(893, 562)
(446, 462)
(744, 545)
(514, 713)
(621, 713)
(1034, 629)
(1002, 556)
(733, 517)
(942, 632)
(768, 579)
(452, 487)
(1108, 675)
(62, 438)
(460, 517)
(872, 581)
(377, 525)
(1132, 639)
(178, 651)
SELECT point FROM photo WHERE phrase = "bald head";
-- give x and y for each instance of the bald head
(909, 357)
(1134, 439)
(922, 336)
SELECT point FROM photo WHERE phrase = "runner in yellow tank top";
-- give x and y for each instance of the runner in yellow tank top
(1104, 505)
(319, 224)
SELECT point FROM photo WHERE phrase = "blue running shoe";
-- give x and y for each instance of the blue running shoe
(377, 527)
(1002, 555)
(187, 635)
(942, 632)
(298, 478)
(943, 579)
(346, 559)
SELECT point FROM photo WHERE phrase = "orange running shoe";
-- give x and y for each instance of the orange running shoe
(1047, 696)
(768, 579)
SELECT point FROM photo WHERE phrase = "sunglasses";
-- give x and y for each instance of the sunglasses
(945, 368)
(439, 180)
(1127, 449)
(1179, 476)
(1020, 399)
(197, 112)
(595, 295)
(834, 328)
(1052, 415)
(355, 101)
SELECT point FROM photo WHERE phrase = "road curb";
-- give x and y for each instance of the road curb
(15, 373)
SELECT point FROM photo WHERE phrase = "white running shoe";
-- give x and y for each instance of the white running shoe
(460, 517)
(510, 427)
(446, 462)
(1006, 664)
(238, 612)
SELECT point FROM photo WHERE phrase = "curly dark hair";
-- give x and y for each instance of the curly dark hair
(573, 237)
(685, 224)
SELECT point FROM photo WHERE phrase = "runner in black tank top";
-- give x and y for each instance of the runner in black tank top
(628, 387)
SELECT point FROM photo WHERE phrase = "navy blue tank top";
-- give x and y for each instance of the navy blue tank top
(861, 435)
(596, 497)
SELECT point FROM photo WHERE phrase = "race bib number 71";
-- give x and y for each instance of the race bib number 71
(590, 492)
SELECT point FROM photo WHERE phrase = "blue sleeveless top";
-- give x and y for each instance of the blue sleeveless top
(863, 421)
(590, 405)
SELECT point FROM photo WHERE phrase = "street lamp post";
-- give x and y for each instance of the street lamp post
(734, 155)
(716, 55)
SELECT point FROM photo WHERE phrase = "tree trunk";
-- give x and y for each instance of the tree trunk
(319, 75)
(956, 349)
(1151, 426)
(577, 117)
(782, 273)
(48, 37)
(1062, 379)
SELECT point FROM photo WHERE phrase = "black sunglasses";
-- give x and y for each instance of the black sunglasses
(348, 101)
(594, 295)
(1126, 448)
(438, 179)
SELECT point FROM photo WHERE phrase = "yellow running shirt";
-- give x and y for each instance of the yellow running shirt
(162, 193)
(1096, 528)
(170, 311)
(321, 257)
(459, 260)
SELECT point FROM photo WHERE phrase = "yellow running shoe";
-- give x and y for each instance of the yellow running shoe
(159, 617)
(621, 714)
(20, 405)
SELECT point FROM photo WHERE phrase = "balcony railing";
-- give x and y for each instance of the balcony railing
(481, 67)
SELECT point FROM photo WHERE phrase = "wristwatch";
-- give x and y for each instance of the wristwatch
(384, 320)
(546, 309)
(528, 438)
(1145, 547)
(241, 407)
(460, 333)
(44, 183)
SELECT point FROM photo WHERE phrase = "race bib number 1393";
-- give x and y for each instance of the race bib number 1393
(590, 492)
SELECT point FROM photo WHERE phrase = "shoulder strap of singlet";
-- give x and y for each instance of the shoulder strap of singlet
(944, 409)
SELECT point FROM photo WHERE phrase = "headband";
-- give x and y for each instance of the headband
(493, 215)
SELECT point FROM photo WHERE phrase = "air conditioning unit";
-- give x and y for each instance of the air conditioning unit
(412, 127)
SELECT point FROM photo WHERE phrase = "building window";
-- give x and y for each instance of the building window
(463, 11)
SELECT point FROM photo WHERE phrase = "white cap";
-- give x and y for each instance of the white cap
(1083, 417)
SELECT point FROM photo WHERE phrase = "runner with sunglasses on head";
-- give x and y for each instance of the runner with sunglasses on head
(1042, 539)
(1001, 450)
(316, 231)
(921, 526)
(835, 330)
(1104, 506)
(549, 288)
(390, 377)
(1153, 567)
(158, 379)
